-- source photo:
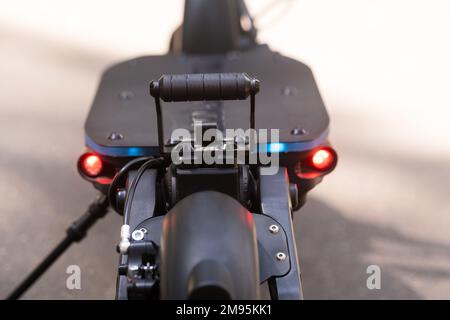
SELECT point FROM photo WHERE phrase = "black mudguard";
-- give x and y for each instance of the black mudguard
(209, 249)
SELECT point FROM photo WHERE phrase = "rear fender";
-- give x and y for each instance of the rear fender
(209, 249)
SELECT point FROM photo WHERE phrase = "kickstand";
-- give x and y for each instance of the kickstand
(75, 233)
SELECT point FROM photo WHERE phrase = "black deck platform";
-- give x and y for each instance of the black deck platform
(289, 99)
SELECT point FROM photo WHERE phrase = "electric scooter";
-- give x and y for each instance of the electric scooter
(204, 217)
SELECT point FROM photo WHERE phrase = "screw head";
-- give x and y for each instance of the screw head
(274, 228)
(138, 235)
(298, 131)
(115, 136)
(281, 256)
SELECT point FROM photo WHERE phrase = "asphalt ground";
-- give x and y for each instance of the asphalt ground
(382, 70)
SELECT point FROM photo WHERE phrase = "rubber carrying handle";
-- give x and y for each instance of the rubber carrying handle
(204, 86)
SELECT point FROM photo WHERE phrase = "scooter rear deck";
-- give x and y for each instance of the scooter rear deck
(122, 119)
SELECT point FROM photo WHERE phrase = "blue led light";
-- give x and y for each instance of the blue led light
(133, 151)
(151, 151)
(277, 147)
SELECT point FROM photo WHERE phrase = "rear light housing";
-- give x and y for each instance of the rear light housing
(319, 162)
(92, 167)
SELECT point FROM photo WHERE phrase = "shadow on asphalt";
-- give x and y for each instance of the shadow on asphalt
(334, 256)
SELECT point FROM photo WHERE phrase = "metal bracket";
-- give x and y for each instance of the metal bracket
(275, 202)
(270, 244)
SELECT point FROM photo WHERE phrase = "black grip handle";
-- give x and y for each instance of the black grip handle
(207, 86)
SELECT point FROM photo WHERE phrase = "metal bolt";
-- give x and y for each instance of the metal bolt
(137, 235)
(115, 136)
(274, 228)
(125, 95)
(298, 131)
(281, 256)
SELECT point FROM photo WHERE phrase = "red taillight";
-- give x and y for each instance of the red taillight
(323, 159)
(91, 165)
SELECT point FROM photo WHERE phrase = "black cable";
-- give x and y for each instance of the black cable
(112, 191)
(76, 232)
(152, 163)
(40, 269)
